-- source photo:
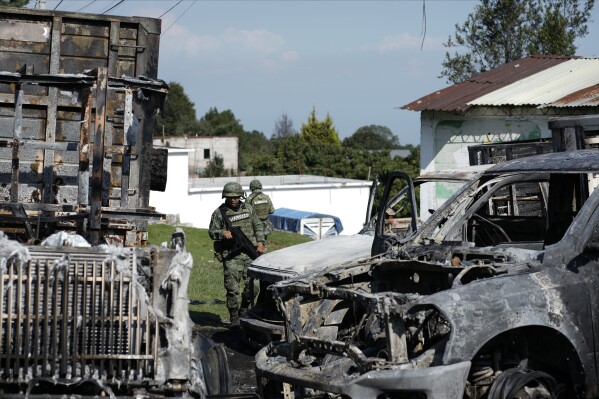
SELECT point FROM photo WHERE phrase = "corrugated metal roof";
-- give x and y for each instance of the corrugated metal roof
(458, 96)
(587, 97)
(545, 87)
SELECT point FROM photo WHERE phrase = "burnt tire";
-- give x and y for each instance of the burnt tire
(519, 383)
(213, 366)
(216, 371)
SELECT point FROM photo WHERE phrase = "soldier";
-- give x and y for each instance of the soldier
(233, 213)
(262, 204)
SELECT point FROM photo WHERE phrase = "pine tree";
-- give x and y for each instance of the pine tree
(320, 131)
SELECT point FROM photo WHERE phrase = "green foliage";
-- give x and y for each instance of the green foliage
(372, 137)
(178, 115)
(500, 31)
(318, 131)
(294, 155)
(252, 144)
(206, 289)
(216, 167)
(13, 3)
(224, 123)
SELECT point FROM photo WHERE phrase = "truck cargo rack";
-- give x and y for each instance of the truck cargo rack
(46, 181)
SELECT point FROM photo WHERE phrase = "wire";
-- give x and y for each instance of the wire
(88, 4)
(423, 32)
(114, 6)
(170, 9)
(184, 12)
(59, 3)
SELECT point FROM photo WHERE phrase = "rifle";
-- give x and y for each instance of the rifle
(240, 241)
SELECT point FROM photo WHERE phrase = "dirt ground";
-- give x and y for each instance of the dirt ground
(240, 356)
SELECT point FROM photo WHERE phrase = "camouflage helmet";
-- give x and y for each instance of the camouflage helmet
(233, 189)
(254, 184)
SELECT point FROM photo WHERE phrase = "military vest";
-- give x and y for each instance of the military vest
(261, 204)
(241, 218)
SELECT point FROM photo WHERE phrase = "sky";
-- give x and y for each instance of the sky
(357, 61)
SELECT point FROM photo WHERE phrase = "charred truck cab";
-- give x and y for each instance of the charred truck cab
(494, 296)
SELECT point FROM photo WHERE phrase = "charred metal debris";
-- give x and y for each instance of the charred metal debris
(107, 320)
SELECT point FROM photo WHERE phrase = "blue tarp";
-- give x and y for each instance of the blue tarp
(291, 220)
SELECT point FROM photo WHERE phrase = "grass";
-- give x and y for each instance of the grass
(206, 289)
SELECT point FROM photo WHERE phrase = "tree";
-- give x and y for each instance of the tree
(178, 116)
(216, 123)
(13, 3)
(216, 167)
(320, 131)
(500, 31)
(372, 137)
(284, 127)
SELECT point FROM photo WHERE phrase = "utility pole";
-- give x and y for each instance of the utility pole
(42, 4)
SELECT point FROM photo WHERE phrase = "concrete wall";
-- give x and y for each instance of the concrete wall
(226, 147)
(344, 198)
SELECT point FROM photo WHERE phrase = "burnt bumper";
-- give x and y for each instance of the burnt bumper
(441, 382)
(267, 330)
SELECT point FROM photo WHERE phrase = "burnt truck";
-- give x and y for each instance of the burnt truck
(263, 321)
(86, 308)
(494, 296)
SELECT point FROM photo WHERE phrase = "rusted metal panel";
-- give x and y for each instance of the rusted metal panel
(586, 97)
(50, 164)
(126, 45)
(51, 107)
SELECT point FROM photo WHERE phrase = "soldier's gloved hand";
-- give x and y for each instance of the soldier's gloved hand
(260, 248)
(227, 234)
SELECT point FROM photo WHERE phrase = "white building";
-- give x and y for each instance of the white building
(194, 200)
(511, 102)
(205, 150)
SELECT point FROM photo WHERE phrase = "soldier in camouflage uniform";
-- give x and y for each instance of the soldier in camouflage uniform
(262, 204)
(235, 265)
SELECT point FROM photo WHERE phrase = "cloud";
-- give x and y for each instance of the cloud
(289, 57)
(258, 46)
(179, 40)
(259, 40)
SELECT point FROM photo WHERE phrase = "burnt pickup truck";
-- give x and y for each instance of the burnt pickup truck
(495, 296)
(263, 322)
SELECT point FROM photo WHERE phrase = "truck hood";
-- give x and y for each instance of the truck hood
(310, 257)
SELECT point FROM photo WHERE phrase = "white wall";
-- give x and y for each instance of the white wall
(347, 200)
(225, 147)
(174, 197)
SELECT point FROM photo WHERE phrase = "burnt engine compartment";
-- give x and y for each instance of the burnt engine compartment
(102, 321)
(366, 320)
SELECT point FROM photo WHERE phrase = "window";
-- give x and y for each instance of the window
(207, 153)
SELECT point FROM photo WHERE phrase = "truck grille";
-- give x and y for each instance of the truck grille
(72, 313)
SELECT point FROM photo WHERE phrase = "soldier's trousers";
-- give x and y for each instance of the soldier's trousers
(235, 271)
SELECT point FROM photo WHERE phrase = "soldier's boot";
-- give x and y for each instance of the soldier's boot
(234, 318)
